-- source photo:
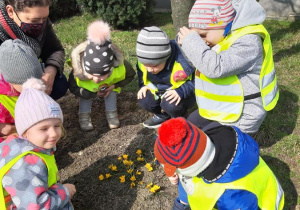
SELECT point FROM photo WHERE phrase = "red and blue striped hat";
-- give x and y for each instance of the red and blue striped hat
(181, 145)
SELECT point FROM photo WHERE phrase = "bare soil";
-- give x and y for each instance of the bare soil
(82, 156)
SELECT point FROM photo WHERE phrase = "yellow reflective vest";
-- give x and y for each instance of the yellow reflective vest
(49, 161)
(176, 67)
(261, 182)
(222, 99)
(118, 74)
(9, 102)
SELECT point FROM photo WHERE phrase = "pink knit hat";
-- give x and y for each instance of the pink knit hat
(211, 14)
(34, 105)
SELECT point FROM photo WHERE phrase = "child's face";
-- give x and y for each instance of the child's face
(17, 87)
(210, 36)
(97, 78)
(45, 134)
(155, 69)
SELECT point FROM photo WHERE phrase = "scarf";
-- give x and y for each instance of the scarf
(10, 30)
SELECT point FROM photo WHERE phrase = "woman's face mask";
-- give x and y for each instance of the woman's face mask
(37, 18)
(33, 30)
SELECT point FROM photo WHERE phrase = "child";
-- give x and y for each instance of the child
(219, 168)
(235, 82)
(18, 63)
(165, 90)
(28, 171)
(99, 69)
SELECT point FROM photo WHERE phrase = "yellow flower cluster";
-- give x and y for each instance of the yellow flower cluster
(131, 170)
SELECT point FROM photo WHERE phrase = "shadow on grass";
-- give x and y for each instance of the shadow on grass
(110, 193)
(281, 121)
(279, 34)
(282, 172)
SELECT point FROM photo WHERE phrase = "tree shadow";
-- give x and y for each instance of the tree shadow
(293, 28)
(281, 121)
(110, 193)
(282, 172)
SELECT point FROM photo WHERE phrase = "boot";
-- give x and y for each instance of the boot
(85, 121)
(112, 119)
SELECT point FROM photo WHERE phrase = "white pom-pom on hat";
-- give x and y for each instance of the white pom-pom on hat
(98, 32)
(34, 83)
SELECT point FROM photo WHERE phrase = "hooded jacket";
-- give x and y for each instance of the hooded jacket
(244, 59)
(78, 71)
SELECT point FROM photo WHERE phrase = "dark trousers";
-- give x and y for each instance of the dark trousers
(197, 120)
(170, 110)
(60, 86)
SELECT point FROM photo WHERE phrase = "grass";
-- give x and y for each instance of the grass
(279, 135)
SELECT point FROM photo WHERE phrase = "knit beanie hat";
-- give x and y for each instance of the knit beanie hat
(98, 55)
(34, 105)
(18, 62)
(153, 46)
(211, 14)
(183, 148)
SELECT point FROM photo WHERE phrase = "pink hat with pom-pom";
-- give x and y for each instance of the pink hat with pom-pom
(98, 55)
(34, 105)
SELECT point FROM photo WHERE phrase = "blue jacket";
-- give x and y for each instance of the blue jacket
(162, 79)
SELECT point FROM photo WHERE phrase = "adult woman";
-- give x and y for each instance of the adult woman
(28, 20)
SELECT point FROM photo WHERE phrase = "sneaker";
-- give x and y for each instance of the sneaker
(85, 122)
(180, 206)
(154, 122)
(112, 119)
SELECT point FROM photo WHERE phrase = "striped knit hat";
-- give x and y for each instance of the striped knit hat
(211, 14)
(153, 46)
(183, 147)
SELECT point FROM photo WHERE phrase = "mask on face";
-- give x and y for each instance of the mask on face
(33, 30)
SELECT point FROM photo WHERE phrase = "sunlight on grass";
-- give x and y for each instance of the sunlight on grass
(279, 135)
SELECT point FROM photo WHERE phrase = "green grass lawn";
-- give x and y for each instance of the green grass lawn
(279, 135)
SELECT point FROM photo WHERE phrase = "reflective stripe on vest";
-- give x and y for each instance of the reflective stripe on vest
(176, 67)
(261, 182)
(118, 74)
(222, 99)
(49, 161)
(9, 102)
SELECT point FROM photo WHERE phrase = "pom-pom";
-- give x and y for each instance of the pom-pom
(98, 32)
(172, 132)
(35, 84)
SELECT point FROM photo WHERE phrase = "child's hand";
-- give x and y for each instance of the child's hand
(48, 78)
(182, 33)
(71, 188)
(172, 96)
(174, 179)
(142, 92)
(108, 90)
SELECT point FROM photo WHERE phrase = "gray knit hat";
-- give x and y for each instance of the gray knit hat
(153, 46)
(18, 62)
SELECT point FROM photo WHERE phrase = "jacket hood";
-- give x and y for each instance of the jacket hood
(248, 12)
(237, 154)
(77, 54)
(13, 146)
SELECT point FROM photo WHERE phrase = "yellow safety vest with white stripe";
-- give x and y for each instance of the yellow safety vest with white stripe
(261, 182)
(118, 74)
(176, 67)
(49, 161)
(9, 102)
(222, 99)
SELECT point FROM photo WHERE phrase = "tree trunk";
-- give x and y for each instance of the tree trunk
(180, 12)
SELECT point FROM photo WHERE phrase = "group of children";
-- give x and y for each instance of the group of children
(223, 61)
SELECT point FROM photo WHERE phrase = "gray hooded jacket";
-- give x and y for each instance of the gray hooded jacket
(244, 59)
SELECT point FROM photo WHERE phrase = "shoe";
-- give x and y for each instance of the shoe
(154, 122)
(112, 119)
(85, 121)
